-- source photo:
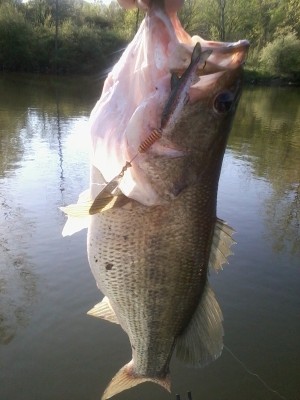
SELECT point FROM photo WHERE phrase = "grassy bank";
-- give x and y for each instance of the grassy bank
(262, 78)
(70, 37)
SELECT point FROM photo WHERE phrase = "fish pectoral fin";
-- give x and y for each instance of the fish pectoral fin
(81, 208)
(126, 378)
(221, 245)
(202, 340)
(102, 202)
(77, 210)
(104, 310)
(77, 214)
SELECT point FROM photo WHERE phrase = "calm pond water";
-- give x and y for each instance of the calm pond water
(49, 348)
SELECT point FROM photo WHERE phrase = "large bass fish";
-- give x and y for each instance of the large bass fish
(158, 136)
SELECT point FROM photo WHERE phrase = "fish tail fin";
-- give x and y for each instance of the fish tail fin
(126, 379)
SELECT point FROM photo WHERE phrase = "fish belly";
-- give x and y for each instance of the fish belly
(151, 263)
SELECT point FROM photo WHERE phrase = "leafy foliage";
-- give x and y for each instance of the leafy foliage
(15, 39)
(65, 36)
(281, 57)
(71, 36)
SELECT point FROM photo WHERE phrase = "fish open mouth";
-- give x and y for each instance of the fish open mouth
(224, 56)
(137, 90)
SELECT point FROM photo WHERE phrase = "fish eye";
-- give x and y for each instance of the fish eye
(223, 102)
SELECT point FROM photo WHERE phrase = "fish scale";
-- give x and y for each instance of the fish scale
(136, 261)
(157, 281)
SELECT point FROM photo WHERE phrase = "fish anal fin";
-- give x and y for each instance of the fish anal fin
(104, 310)
(221, 245)
(202, 340)
(126, 379)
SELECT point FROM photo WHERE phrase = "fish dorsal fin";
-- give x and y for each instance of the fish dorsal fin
(126, 378)
(221, 244)
(202, 340)
(104, 310)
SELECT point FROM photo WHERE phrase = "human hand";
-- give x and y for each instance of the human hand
(170, 5)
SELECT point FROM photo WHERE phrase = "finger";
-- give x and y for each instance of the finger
(172, 6)
(143, 4)
(127, 3)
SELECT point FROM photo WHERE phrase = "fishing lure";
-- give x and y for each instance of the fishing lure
(173, 107)
(106, 196)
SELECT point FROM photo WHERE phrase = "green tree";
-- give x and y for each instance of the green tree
(281, 57)
(15, 39)
(43, 35)
(38, 12)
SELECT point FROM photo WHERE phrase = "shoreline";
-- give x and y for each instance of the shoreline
(251, 78)
(255, 78)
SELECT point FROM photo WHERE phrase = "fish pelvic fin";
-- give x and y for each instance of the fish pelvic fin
(104, 310)
(221, 245)
(126, 378)
(202, 340)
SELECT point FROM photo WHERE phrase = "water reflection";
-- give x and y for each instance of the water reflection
(34, 114)
(267, 134)
(46, 286)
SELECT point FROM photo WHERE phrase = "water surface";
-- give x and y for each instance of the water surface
(49, 348)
